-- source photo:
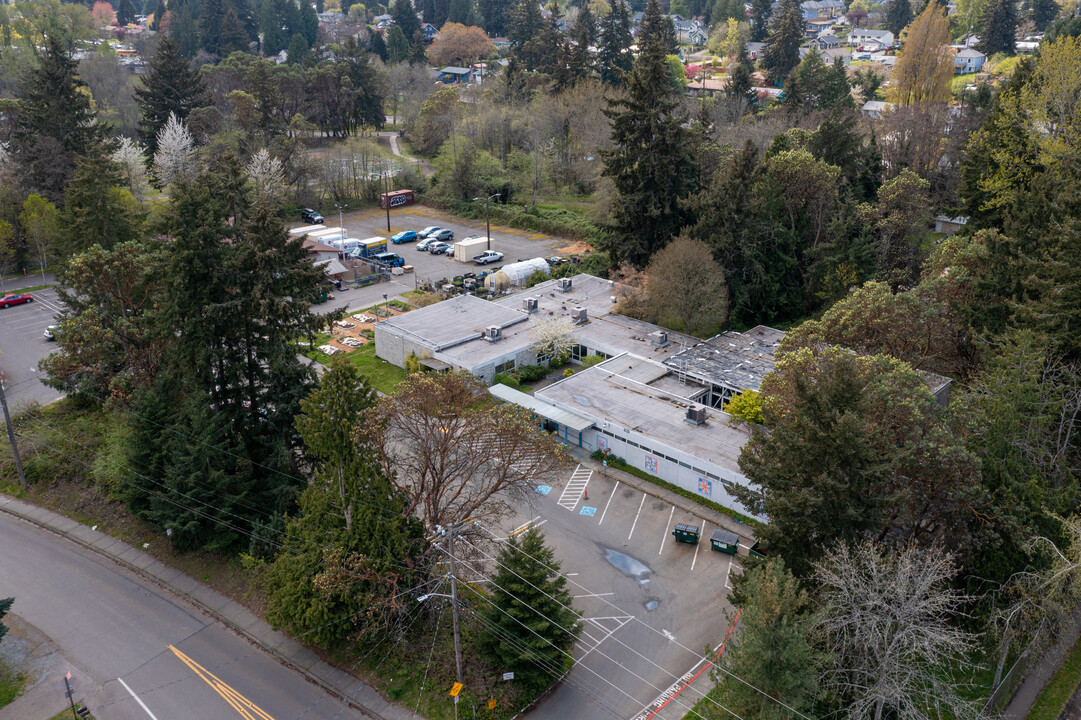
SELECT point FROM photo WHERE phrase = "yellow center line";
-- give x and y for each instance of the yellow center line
(245, 707)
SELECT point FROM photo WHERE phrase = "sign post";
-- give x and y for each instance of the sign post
(70, 694)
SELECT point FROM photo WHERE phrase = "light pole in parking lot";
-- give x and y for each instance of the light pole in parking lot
(487, 218)
(340, 209)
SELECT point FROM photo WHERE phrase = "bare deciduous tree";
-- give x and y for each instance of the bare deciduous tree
(175, 159)
(454, 451)
(887, 622)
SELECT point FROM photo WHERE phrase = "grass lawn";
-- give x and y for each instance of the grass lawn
(383, 376)
(32, 288)
(1057, 693)
(11, 684)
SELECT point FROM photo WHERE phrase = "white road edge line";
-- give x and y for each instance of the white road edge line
(605, 512)
(666, 526)
(141, 703)
(705, 528)
(636, 515)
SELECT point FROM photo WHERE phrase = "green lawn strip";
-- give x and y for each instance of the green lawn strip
(1052, 700)
(11, 684)
(32, 288)
(619, 463)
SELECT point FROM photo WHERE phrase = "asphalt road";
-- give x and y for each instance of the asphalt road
(649, 605)
(22, 345)
(120, 631)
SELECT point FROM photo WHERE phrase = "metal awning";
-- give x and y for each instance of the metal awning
(433, 364)
(539, 407)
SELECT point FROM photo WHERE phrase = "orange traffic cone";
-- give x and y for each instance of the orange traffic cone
(587, 493)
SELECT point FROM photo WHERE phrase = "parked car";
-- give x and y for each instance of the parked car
(557, 260)
(403, 237)
(444, 235)
(439, 247)
(15, 299)
(488, 256)
(50, 332)
(389, 258)
(426, 243)
(429, 231)
(311, 217)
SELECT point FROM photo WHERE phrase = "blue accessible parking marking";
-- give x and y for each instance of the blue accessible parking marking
(587, 511)
(544, 489)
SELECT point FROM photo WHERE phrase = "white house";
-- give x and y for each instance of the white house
(860, 36)
(968, 60)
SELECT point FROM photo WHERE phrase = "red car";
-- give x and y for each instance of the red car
(15, 299)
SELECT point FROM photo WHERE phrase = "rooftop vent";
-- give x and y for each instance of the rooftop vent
(658, 338)
(529, 304)
(493, 333)
(696, 415)
(578, 315)
(564, 285)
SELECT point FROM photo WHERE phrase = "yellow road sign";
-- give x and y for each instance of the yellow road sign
(491, 704)
(456, 689)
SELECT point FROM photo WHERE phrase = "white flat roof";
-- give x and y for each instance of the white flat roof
(545, 409)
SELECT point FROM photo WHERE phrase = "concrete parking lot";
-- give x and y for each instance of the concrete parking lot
(22, 345)
(649, 605)
(514, 244)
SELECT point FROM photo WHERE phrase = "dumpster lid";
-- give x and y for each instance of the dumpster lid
(684, 527)
(724, 536)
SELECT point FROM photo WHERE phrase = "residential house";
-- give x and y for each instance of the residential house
(812, 9)
(826, 41)
(949, 225)
(318, 251)
(830, 55)
(754, 49)
(967, 60)
(817, 26)
(880, 38)
(452, 75)
(874, 109)
(428, 32)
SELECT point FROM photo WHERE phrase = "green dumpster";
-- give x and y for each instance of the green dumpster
(686, 533)
(724, 541)
(755, 551)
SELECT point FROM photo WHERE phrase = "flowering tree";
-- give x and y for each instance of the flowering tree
(175, 158)
(553, 337)
(267, 174)
(129, 156)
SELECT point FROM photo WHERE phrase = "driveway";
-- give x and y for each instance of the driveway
(649, 605)
(22, 345)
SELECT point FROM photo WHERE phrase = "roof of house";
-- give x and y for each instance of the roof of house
(821, 4)
(314, 246)
(454, 70)
(970, 53)
(877, 106)
(959, 220)
(734, 360)
(452, 322)
(870, 33)
(332, 267)
(828, 39)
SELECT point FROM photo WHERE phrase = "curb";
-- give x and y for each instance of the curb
(314, 679)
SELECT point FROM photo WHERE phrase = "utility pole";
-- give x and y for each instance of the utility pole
(11, 439)
(386, 197)
(487, 217)
(454, 606)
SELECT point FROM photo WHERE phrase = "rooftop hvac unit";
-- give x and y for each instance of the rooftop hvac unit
(658, 338)
(564, 284)
(696, 414)
(492, 333)
(578, 315)
(529, 304)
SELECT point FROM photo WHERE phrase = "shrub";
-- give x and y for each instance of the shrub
(531, 373)
(568, 372)
(508, 380)
(746, 406)
(591, 360)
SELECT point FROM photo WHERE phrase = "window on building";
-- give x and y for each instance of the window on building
(505, 366)
(578, 352)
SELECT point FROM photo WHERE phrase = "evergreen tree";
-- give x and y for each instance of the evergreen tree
(397, 45)
(495, 17)
(211, 20)
(246, 15)
(428, 11)
(159, 13)
(53, 123)
(298, 47)
(760, 16)
(125, 12)
(586, 22)
(170, 87)
(461, 12)
(650, 163)
(233, 38)
(185, 31)
(309, 23)
(405, 17)
(442, 12)
(352, 542)
(999, 32)
(97, 211)
(524, 24)
(770, 653)
(615, 59)
(837, 93)
(270, 22)
(898, 16)
(530, 624)
(5, 605)
(1044, 13)
(418, 55)
(786, 34)
(740, 85)
(378, 46)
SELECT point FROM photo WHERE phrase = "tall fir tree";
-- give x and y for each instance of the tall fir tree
(428, 11)
(530, 625)
(650, 162)
(185, 30)
(419, 53)
(378, 46)
(405, 17)
(999, 32)
(298, 48)
(524, 24)
(54, 123)
(233, 36)
(170, 87)
(782, 50)
(615, 59)
(211, 20)
(586, 21)
(1044, 13)
(309, 23)
(461, 12)
(97, 211)
(740, 85)
(898, 16)
(270, 23)
(761, 10)
(442, 12)
(125, 12)
(397, 46)
(494, 14)
(159, 13)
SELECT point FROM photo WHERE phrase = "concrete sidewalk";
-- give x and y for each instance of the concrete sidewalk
(285, 649)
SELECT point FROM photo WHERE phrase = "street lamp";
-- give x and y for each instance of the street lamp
(340, 208)
(487, 217)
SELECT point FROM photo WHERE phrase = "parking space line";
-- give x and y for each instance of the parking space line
(728, 572)
(609, 502)
(596, 595)
(666, 525)
(636, 516)
(705, 529)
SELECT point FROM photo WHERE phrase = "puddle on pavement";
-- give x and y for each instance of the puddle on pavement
(629, 566)
(652, 605)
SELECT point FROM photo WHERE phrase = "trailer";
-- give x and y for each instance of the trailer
(466, 248)
(369, 247)
(306, 229)
(326, 234)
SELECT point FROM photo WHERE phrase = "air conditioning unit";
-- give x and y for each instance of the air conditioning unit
(492, 333)
(529, 304)
(578, 315)
(696, 414)
(658, 338)
(564, 285)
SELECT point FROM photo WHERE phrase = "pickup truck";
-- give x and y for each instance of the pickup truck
(488, 256)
